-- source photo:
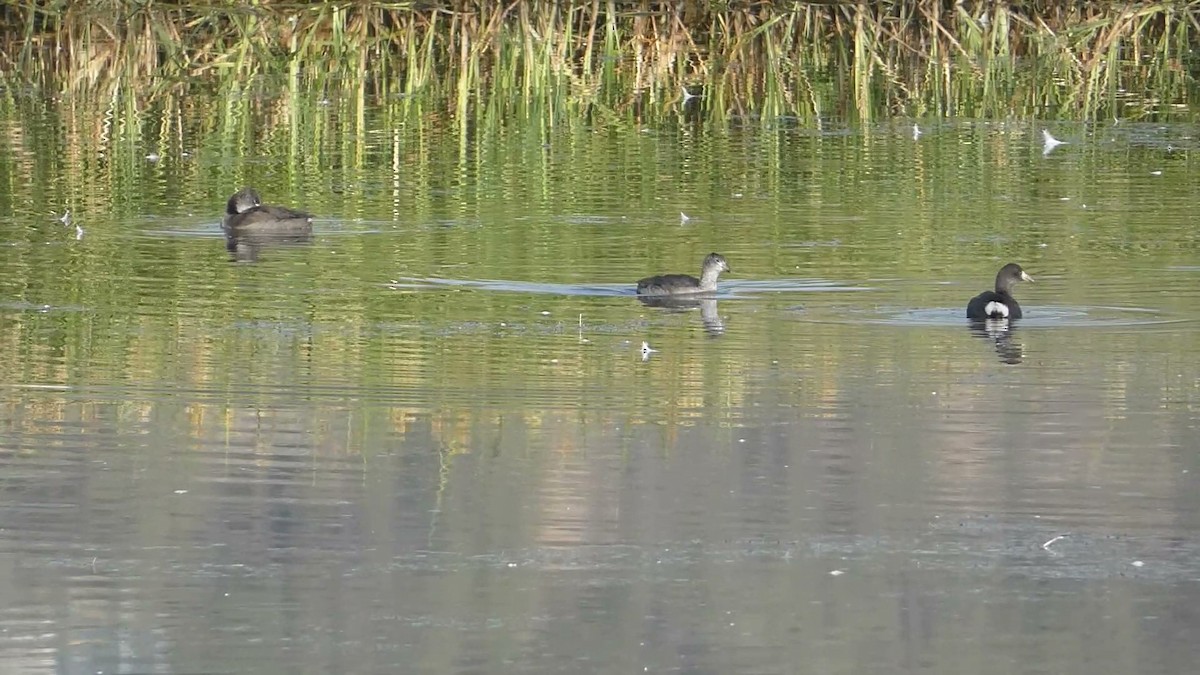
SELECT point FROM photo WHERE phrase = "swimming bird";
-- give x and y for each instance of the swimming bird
(678, 284)
(246, 216)
(999, 304)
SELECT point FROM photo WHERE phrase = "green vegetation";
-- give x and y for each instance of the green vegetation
(602, 58)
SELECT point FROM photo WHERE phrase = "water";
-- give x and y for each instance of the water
(428, 441)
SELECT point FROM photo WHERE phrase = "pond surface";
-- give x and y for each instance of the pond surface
(430, 440)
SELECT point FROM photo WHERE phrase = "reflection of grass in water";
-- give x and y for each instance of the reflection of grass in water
(488, 59)
(172, 78)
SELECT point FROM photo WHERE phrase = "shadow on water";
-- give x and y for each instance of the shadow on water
(1002, 334)
(714, 325)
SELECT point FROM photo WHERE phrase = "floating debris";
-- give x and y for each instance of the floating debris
(647, 351)
(65, 219)
(153, 157)
(916, 132)
(1046, 546)
(687, 95)
(683, 217)
(1049, 142)
(78, 233)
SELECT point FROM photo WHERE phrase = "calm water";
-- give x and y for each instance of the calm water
(428, 440)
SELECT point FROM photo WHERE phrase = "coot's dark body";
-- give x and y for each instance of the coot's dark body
(681, 284)
(247, 216)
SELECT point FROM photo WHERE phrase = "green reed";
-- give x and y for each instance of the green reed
(628, 60)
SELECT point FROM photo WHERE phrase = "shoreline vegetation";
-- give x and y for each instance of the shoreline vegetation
(629, 60)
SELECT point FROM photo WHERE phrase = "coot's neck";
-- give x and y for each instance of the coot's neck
(708, 278)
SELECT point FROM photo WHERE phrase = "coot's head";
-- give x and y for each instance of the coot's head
(243, 200)
(715, 262)
(1008, 276)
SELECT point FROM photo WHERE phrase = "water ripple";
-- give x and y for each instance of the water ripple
(1045, 316)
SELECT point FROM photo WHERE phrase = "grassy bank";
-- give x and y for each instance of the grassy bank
(759, 59)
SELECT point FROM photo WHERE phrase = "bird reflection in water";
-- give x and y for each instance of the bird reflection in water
(714, 325)
(1002, 334)
(246, 248)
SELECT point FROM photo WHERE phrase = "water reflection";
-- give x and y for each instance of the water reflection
(1002, 334)
(247, 247)
(214, 468)
(713, 323)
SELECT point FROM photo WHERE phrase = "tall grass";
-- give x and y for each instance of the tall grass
(764, 60)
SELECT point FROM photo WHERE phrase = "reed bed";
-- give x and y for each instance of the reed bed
(598, 58)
